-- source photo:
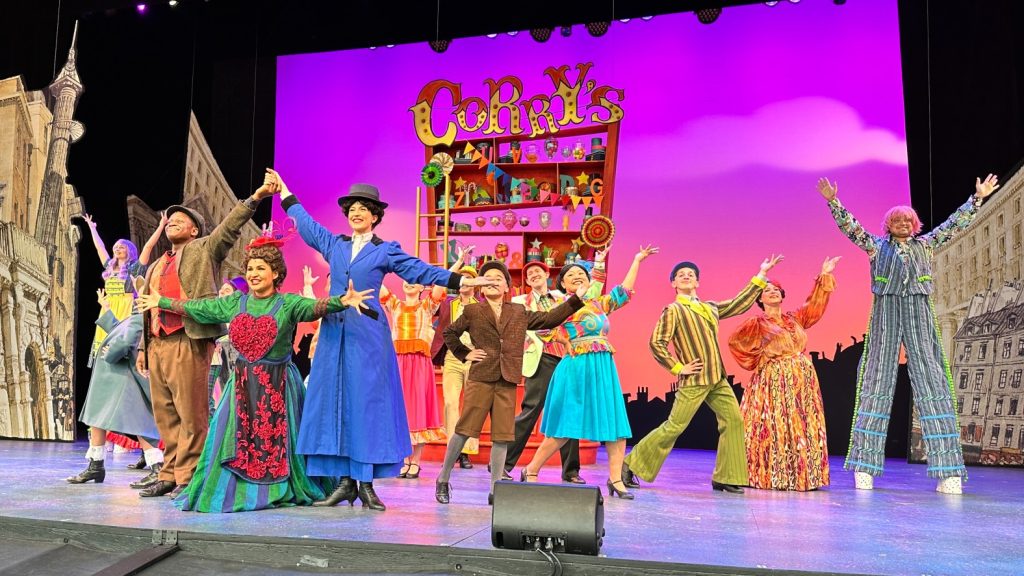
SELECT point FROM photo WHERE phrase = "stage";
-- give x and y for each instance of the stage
(676, 525)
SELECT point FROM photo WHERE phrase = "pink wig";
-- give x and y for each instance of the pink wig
(901, 212)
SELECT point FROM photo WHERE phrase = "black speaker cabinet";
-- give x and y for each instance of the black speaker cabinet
(572, 516)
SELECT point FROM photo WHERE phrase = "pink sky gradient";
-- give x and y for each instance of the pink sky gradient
(727, 128)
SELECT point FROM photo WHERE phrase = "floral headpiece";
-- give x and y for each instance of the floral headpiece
(274, 234)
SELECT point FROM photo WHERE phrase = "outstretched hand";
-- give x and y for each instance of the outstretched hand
(163, 220)
(88, 220)
(983, 189)
(602, 254)
(147, 301)
(101, 297)
(829, 265)
(770, 263)
(827, 189)
(354, 298)
(307, 276)
(645, 251)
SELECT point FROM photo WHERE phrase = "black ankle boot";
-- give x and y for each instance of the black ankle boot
(95, 472)
(139, 464)
(369, 497)
(149, 479)
(346, 491)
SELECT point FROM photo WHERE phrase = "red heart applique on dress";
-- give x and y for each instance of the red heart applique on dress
(253, 337)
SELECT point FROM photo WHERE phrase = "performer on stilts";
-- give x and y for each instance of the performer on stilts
(902, 313)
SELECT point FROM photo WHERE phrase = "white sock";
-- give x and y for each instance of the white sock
(153, 456)
(95, 453)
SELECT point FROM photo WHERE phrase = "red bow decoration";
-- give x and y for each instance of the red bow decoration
(274, 234)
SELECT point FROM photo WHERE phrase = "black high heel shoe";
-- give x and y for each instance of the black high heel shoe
(369, 497)
(623, 493)
(525, 476)
(95, 472)
(413, 475)
(346, 491)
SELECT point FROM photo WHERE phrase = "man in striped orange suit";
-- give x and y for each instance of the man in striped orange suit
(690, 325)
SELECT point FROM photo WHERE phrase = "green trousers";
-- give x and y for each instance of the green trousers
(648, 456)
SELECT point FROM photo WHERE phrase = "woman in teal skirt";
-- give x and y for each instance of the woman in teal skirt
(249, 460)
(584, 398)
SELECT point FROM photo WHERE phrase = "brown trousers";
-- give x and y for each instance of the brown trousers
(480, 399)
(178, 371)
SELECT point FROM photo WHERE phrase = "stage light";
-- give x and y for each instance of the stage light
(389, 45)
(172, 3)
(541, 34)
(598, 28)
(566, 31)
(794, 1)
(708, 15)
(513, 32)
(624, 20)
(439, 46)
(140, 8)
(771, 3)
(646, 18)
(495, 35)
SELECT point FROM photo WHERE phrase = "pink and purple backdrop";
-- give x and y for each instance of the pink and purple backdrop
(726, 129)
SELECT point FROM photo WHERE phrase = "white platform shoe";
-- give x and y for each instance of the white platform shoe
(864, 481)
(951, 485)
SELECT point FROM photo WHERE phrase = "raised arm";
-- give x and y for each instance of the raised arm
(959, 221)
(147, 250)
(437, 292)
(101, 248)
(814, 308)
(223, 238)
(308, 280)
(634, 268)
(848, 225)
(312, 232)
(748, 295)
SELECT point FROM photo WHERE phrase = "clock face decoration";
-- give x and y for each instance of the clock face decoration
(598, 231)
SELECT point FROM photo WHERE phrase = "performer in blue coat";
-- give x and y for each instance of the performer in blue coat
(354, 424)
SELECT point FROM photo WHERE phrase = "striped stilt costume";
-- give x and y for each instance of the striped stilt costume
(902, 314)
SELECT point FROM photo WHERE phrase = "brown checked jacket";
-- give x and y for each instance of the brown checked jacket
(502, 339)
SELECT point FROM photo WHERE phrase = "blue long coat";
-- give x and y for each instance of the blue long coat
(353, 421)
(118, 398)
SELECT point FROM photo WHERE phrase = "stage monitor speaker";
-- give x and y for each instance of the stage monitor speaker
(572, 517)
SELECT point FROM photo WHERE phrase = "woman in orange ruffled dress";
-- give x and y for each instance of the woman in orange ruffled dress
(783, 417)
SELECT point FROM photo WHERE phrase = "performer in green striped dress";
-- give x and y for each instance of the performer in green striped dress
(249, 460)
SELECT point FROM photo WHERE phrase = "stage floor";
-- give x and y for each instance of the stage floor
(902, 527)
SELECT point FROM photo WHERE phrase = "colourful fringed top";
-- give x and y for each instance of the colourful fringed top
(411, 326)
(587, 330)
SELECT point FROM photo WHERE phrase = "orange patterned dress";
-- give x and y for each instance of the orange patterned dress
(783, 417)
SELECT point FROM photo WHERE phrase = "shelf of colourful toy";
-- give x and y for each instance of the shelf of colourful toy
(563, 167)
(490, 207)
(567, 233)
